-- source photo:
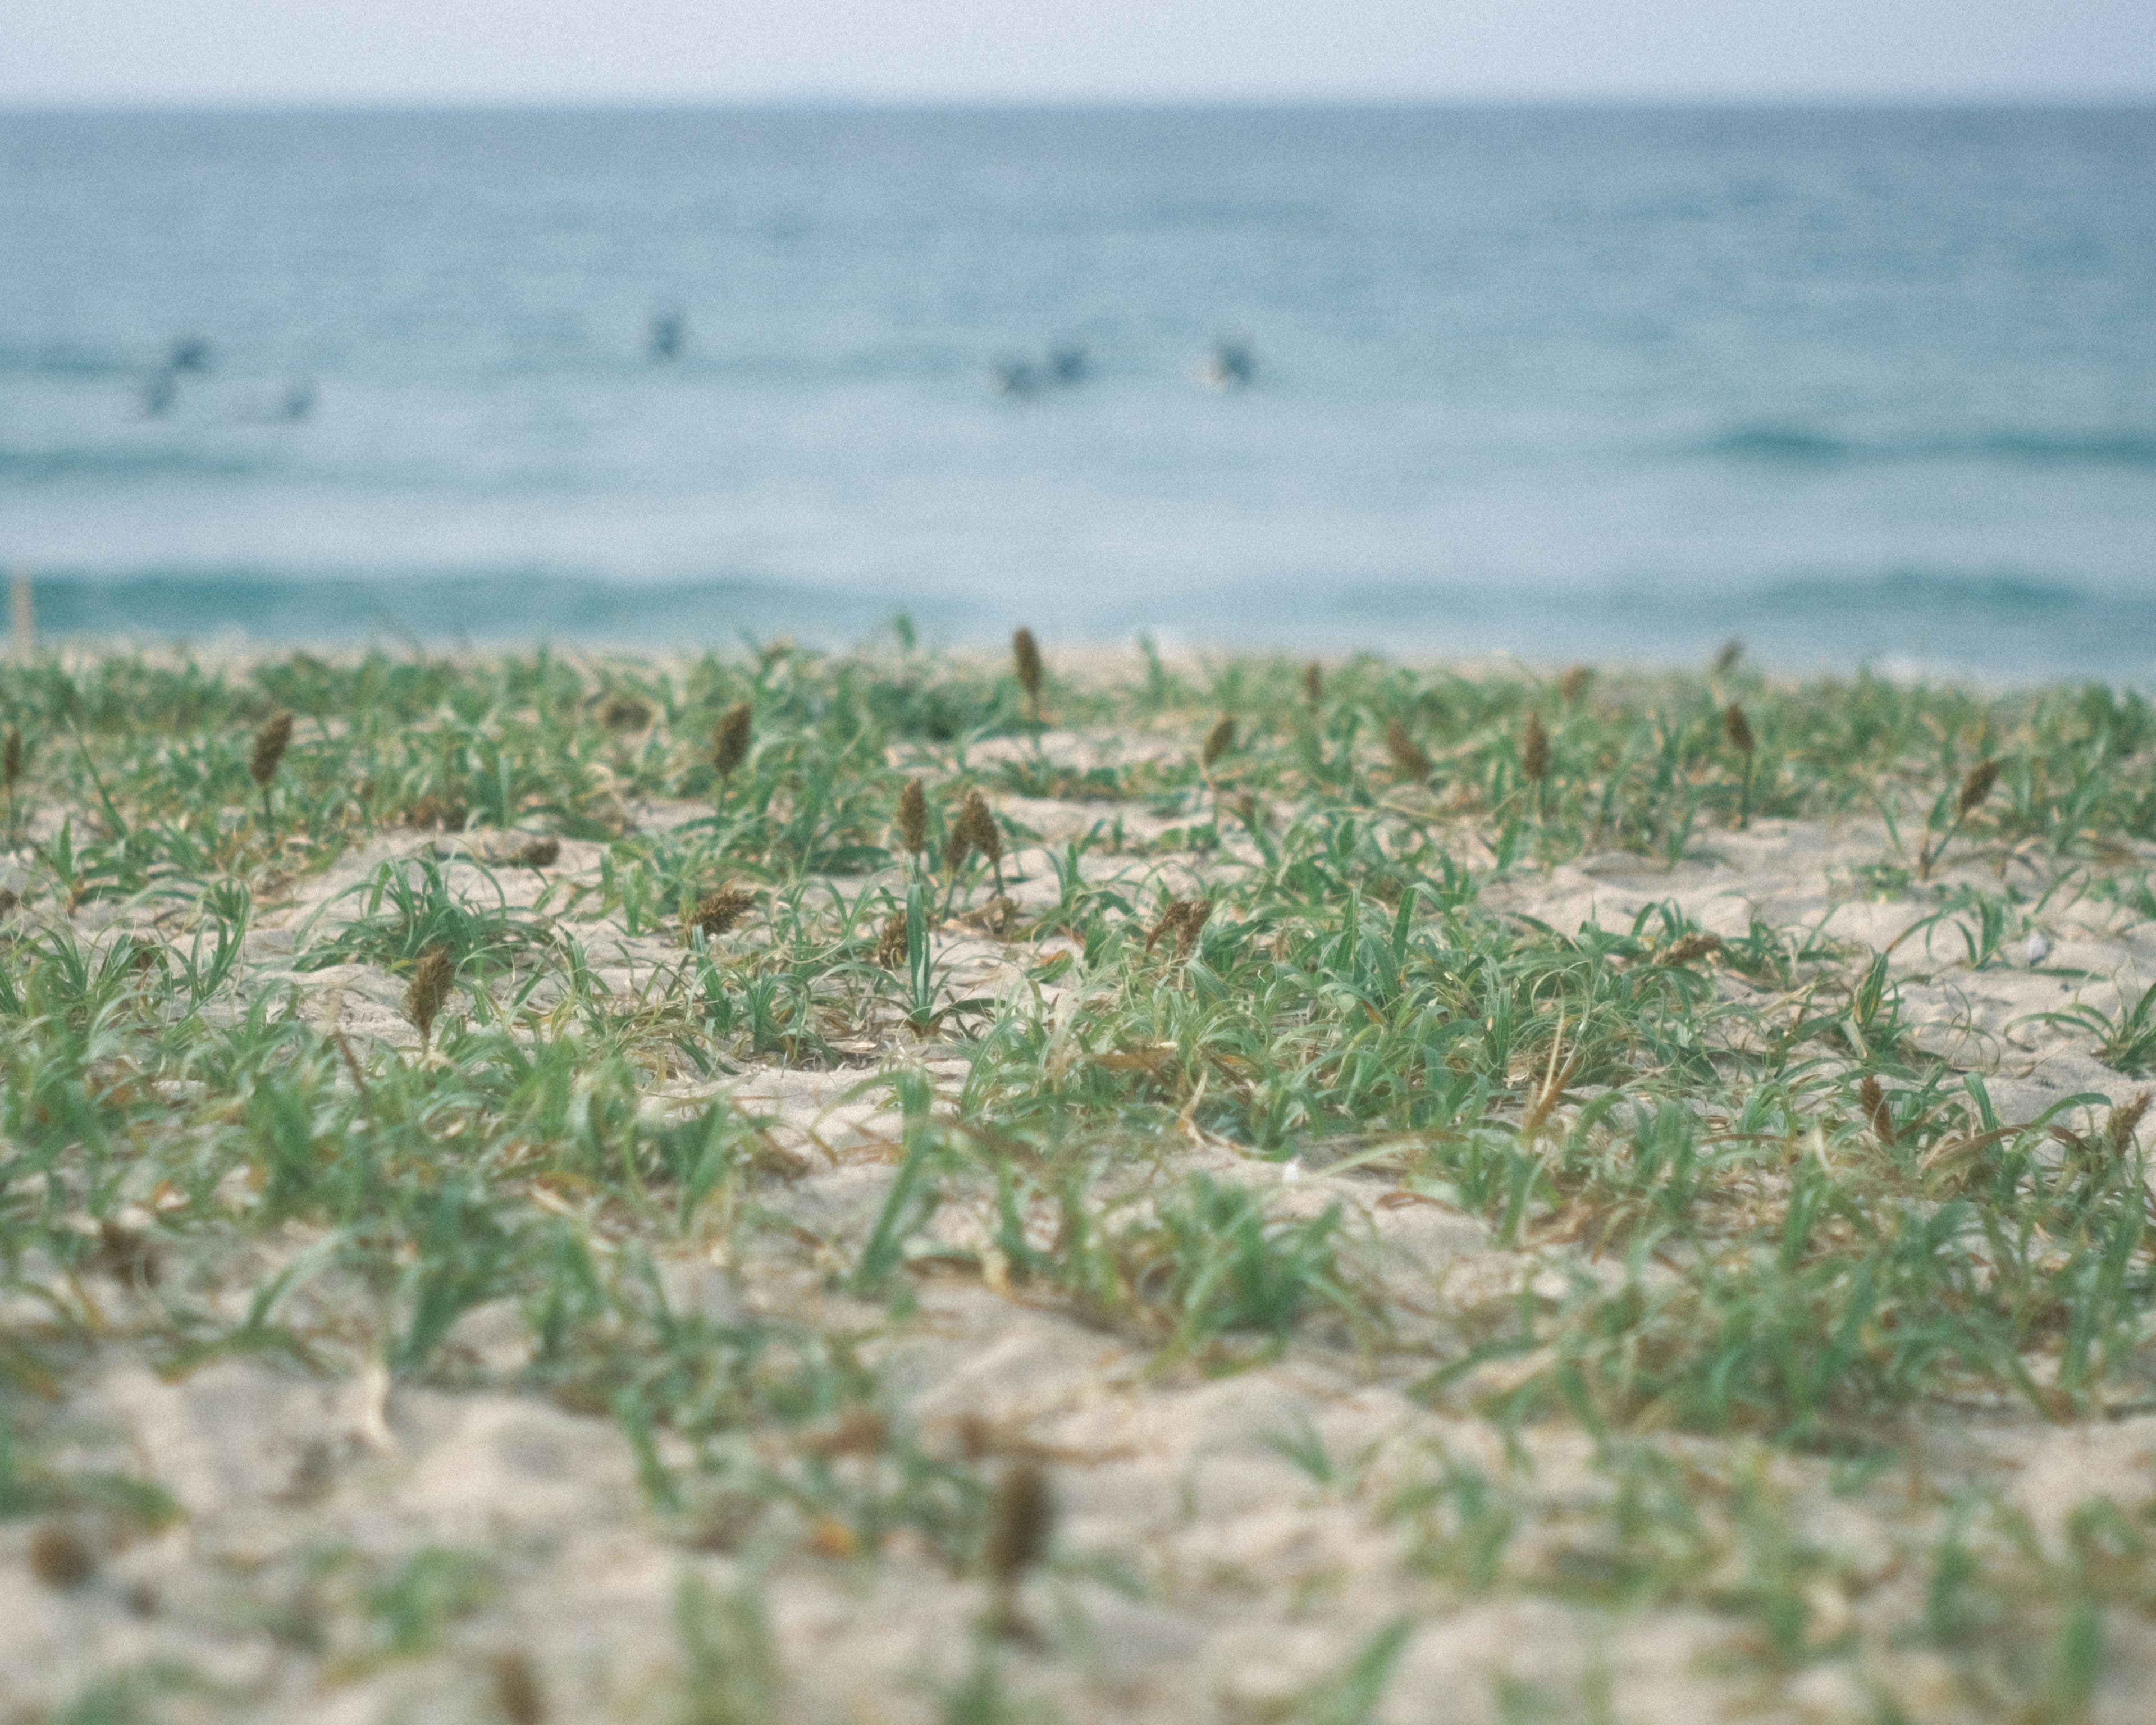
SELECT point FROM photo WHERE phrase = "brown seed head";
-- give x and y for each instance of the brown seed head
(1976, 787)
(1725, 661)
(1025, 658)
(1535, 750)
(1738, 729)
(1217, 741)
(428, 990)
(60, 1556)
(1574, 685)
(1408, 760)
(2125, 1119)
(730, 739)
(1191, 925)
(979, 826)
(1313, 682)
(11, 757)
(1019, 1530)
(1686, 948)
(913, 818)
(1874, 1099)
(543, 850)
(270, 742)
(718, 910)
(624, 712)
(892, 942)
(517, 1690)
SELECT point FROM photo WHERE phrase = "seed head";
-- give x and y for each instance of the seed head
(428, 990)
(1574, 685)
(1875, 1110)
(730, 739)
(979, 826)
(60, 1556)
(913, 818)
(1686, 948)
(1017, 1534)
(718, 910)
(1217, 741)
(11, 757)
(1313, 682)
(891, 944)
(1183, 919)
(2125, 1117)
(270, 742)
(1535, 750)
(1025, 658)
(516, 1688)
(1976, 787)
(1738, 729)
(1725, 661)
(1408, 760)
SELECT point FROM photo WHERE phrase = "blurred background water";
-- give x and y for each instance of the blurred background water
(1858, 385)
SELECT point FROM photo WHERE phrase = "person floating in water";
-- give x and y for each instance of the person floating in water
(189, 353)
(1017, 378)
(1232, 364)
(669, 330)
(299, 400)
(159, 393)
(1069, 364)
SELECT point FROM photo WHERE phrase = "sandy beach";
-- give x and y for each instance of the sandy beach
(1307, 1217)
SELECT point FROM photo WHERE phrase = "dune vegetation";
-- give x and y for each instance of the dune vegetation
(779, 1185)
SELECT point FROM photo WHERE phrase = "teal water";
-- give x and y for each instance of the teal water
(1857, 385)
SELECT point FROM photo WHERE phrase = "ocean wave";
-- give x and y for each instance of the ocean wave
(52, 466)
(493, 604)
(1962, 596)
(1800, 445)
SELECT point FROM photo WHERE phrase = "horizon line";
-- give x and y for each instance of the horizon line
(1971, 99)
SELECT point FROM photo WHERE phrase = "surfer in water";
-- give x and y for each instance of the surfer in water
(669, 330)
(1231, 365)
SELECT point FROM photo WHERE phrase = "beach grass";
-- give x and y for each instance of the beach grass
(456, 1003)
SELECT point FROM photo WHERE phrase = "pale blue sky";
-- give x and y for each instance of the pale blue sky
(279, 51)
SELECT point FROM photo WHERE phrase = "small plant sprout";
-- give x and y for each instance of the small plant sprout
(730, 744)
(1739, 730)
(429, 991)
(1951, 810)
(270, 742)
(1025, 660)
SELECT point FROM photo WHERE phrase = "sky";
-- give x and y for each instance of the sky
(277, 52)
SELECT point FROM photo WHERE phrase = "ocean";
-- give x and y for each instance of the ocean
(1859, 386)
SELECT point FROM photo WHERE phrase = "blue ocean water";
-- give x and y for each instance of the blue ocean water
(1857, 385)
